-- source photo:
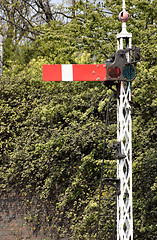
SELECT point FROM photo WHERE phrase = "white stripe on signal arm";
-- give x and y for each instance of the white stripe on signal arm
(67, 72)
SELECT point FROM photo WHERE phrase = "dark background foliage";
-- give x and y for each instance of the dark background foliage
(52, 134)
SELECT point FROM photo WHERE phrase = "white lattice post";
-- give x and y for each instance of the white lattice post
(124, 136)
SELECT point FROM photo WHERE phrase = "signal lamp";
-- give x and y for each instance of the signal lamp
(129, 72)
(120, 69)
(114, 72)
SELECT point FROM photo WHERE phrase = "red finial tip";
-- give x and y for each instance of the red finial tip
(124, 16)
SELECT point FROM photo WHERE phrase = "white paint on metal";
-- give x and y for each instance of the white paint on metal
(123, 5)
(124, 166)
(124, 135)
(67, 72)
(123, 34)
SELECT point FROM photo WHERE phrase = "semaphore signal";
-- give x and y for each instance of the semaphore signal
(115, 71)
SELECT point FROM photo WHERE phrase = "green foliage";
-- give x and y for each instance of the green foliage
(52, 133)
(51, 142)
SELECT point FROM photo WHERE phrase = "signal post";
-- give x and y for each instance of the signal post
(124, 137)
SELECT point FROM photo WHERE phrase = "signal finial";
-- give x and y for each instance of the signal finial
(124, 16)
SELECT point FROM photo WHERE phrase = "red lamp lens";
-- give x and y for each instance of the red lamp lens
(114, 72)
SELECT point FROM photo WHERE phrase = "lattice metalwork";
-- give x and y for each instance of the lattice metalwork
(124, 165)
(124, 136)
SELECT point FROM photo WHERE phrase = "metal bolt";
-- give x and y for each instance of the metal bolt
(93, 72)
(98, 79)
(97, 66)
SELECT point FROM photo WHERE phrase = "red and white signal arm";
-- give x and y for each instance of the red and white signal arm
(74, 72)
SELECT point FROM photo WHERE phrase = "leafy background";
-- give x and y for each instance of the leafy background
(52, 133)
